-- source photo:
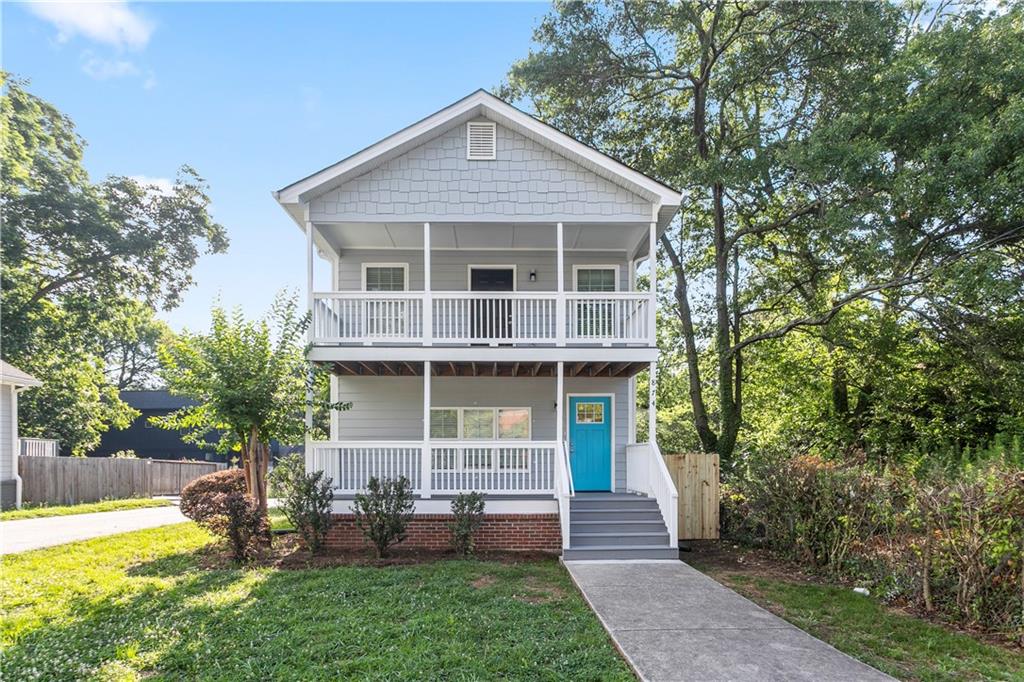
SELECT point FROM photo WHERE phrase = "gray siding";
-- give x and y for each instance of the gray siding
(391, 408)
(435, 181)
(448, 268)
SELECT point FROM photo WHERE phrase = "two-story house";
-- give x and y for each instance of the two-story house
(484, 322)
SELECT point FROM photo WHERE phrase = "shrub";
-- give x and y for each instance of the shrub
(219, 503)
(124, 454)
(305, 499)
(383, 512)
(468, 510)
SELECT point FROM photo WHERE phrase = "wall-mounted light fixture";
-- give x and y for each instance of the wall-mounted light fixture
(533, 275)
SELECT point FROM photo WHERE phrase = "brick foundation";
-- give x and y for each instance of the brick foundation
(516, 532)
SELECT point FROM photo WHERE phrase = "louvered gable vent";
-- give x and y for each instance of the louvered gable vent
(480, 141)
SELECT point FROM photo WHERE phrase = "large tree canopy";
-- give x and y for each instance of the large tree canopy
(84, 266)
(841, 162)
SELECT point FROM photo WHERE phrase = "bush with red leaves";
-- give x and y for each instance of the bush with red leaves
(219, 503)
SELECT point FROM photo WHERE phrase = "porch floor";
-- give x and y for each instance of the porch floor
(672, 622)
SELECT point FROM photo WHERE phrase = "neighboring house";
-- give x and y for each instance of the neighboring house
(12, 382)
(152, 442)
(484, 321)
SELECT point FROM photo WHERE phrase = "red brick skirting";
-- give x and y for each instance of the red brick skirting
(517, 532)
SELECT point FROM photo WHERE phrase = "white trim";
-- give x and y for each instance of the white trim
(460, 409)
(469, 275)
(568, 424)
(409, 353)
(603, 266)
(405, 274)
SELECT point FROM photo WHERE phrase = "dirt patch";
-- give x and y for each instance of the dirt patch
(483, 581)
(540, 591)
(287, 552)
(720, 558)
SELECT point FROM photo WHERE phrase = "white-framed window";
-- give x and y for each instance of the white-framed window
(589, 413)
(481, 423)
(595, 318)
(595, 278)
(385, 276)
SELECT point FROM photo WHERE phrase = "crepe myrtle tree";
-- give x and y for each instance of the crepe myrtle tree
(249, 380)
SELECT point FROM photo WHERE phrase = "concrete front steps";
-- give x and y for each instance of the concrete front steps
(616, 526)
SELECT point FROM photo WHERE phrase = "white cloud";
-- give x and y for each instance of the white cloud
(104, 69)
(162, 186)
(111, 23)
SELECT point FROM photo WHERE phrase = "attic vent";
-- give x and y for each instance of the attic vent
(480, 141)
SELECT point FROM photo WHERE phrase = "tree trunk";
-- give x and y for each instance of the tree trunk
(258, 470)
(723, 341)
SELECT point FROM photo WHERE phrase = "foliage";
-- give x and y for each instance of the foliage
(85, 265)
(383, 512)
(845, 166)
(31, 511)
(143, 605)
(948, 540)
(468, 510)
(248, 380)
(219, 503)
(124, 454)
(304, 498)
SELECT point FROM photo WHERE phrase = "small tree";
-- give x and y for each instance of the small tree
(305, 499)
(249, 380)
(468, 510)
(383, 512)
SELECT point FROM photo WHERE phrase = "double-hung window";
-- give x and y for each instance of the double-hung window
(386, 317)
(595, 317)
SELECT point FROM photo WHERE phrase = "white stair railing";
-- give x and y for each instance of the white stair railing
(564, 490)
(647, 473)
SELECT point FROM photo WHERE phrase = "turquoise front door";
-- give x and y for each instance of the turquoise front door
(590, 442)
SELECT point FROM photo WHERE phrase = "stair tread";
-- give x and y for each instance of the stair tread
(618, 548)
(616, 534)
(603, 522)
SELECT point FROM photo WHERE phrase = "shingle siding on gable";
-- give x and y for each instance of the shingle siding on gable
(435, 181)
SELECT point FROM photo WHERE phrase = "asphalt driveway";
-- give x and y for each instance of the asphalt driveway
(21, 536)
(672, 622)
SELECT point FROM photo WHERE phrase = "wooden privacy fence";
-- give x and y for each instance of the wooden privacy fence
(696, 477)
(73, 480)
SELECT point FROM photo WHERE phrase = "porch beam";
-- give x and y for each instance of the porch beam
(536, 368)
(390, 368)
(577, 368)
(369, 370)
(598, 368)
(344, 367)
(412, 370)
(455, 372)
(515, 369)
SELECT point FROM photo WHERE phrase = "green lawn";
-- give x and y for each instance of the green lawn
(138, 606)
(899, 644)
(35, 512)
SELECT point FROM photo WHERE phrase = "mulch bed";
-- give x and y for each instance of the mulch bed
(288, 553)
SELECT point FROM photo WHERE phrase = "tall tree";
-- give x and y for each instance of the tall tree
(249, 381)
(77, 257)
(829, 153)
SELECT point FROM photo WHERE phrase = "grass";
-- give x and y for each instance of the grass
(896, 643)
(138, 605)
(36, 512)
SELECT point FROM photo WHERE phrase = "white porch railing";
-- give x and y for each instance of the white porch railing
(564, 490)
(646, 473)
(494, 467)
(474, 317)
(39, 447)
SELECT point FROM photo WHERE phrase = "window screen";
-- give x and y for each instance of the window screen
(444, 422)
(595, 279)
(478, 424)
(385, 278)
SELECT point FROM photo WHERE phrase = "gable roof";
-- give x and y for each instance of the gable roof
(9, 374)
(479, 104)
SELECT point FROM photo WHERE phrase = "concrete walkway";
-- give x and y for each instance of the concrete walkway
(21, 536)
(674, 623)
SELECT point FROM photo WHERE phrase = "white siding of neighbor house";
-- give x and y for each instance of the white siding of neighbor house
(391, 408)
(436, 181)
(449, 268)
(7, 434)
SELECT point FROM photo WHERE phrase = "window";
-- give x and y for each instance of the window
(444, 422)
(598, 278)
(384, 277)
(478, 424)
(514, 422)
(589, 413)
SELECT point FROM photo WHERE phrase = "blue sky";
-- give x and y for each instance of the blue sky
(254, 96)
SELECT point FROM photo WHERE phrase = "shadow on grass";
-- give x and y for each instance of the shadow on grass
(170, 620)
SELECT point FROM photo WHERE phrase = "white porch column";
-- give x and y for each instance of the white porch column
(428, 303)
(560, 304)
(652, 258)
(425, 459)
(559, 411)
(308, 441)
(652, 403)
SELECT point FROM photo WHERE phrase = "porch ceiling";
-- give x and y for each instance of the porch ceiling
(630, 237)
(486, 369)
